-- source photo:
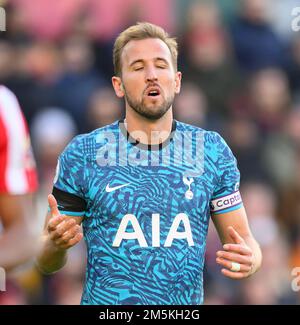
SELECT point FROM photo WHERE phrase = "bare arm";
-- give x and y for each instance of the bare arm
(18, 242)
(60, 233)
(240, 245)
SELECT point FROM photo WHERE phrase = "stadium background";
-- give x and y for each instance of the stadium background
(241, 77)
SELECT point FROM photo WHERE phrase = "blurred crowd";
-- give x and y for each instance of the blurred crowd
(241, 77)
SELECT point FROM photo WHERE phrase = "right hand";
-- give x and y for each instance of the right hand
(63, 231)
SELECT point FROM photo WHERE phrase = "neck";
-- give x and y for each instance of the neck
(148, 131)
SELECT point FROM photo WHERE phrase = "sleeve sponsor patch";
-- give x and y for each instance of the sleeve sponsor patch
(225, 202)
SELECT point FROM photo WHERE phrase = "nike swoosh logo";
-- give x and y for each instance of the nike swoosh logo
(111, 189)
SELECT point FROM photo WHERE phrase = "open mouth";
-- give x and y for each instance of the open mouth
(153, 92)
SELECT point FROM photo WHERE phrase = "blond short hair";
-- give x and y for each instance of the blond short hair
(142, 31)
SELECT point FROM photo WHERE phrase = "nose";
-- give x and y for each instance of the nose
(151, 74)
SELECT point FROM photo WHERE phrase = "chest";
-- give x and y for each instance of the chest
(115, 191)
(149, 205)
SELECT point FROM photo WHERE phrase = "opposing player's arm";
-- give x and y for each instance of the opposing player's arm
(238, 242)
(19, 239)
(18, 182)
(60, 233)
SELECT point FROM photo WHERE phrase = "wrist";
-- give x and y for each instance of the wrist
(52, 257)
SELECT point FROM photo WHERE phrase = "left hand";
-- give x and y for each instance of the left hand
(238, 252)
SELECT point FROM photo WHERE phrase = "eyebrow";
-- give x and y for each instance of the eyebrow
(142, 61)
(136, 61)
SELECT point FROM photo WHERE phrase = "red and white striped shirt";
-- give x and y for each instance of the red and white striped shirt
(17, 166)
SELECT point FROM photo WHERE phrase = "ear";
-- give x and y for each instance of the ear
(118, 86)
(178, 77)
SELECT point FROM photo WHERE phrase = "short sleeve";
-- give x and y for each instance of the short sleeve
(226, 196)
(69, 180)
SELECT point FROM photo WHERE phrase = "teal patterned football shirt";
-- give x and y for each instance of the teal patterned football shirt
(146, 210)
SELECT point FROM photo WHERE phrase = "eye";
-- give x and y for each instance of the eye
(138, 68)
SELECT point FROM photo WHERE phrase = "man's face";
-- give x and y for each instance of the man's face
(148, 79)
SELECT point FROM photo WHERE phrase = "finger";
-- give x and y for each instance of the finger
(234, 275)
(235, 235)
(53, 205)
(66, 236)
(62, 228)
(237, 248)
(242, 259)
(228, 265)
(74, 241)
(71, 233)
(55, 221)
